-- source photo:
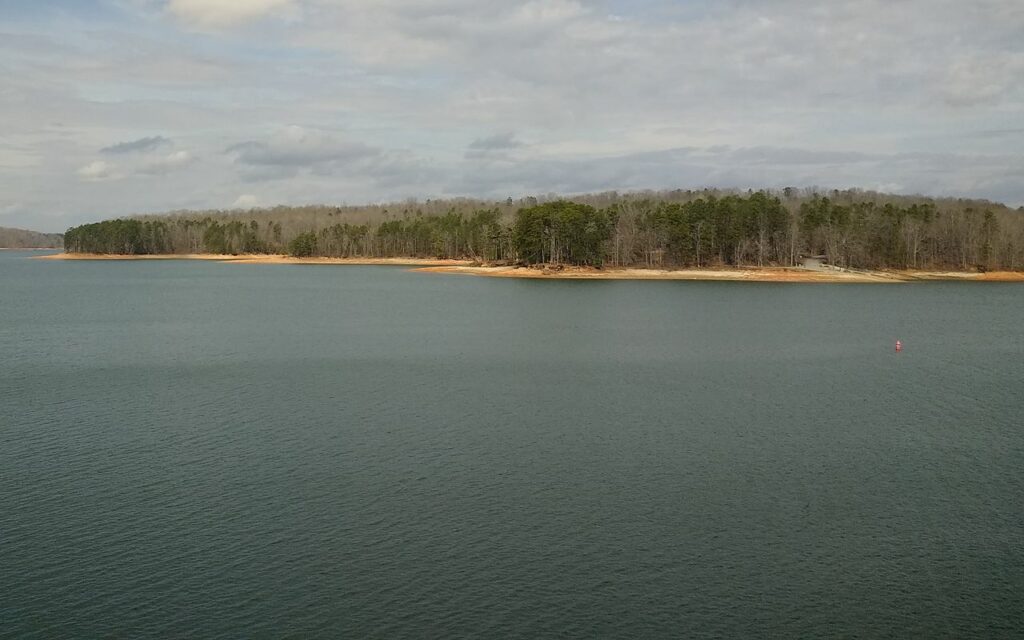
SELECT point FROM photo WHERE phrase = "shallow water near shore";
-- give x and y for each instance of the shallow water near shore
(190, 448)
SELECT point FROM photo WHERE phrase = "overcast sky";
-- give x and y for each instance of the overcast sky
(111, 107)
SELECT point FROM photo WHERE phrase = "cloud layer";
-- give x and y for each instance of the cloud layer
(223, 13)
(123, 106)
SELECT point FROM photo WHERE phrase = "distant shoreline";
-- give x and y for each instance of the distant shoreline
(467, 267)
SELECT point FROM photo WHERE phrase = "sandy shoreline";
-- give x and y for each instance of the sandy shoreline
(466, 267)
(407, 262)
(747, 274)
(750, 274)
(259, 259)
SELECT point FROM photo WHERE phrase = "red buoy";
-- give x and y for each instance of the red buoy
(899, 346)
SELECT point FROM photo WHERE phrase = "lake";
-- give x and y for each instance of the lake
(216, 450)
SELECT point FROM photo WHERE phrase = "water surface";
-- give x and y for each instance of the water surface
(217, 450)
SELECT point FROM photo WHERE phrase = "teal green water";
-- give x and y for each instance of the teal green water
(191, 449)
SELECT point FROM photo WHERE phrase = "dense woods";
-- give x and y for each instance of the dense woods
(854, 229)
(24, 239)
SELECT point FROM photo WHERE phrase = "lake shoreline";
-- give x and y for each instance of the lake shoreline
(260, 259)
(746, 274)
(561, 272)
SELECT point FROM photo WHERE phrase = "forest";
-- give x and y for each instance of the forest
(680, 228)
(25, 239)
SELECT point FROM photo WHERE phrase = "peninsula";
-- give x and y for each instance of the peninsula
(789, 235)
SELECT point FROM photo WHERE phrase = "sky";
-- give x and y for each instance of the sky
(115, 107)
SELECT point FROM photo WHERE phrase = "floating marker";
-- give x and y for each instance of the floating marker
(899, 346)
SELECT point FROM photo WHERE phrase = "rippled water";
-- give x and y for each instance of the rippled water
(197, 449)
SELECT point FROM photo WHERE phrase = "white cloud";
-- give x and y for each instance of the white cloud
(166, 164)
(245, 201)
(983, 79)
(98, 170)
(224, 13)
(149, 165)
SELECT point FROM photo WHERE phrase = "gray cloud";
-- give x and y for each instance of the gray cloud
(494, 148)
(996, 133)
(938, 174)
(151, 143)
(779, 156)
(299, 148)
(297, 153)
(497, 141)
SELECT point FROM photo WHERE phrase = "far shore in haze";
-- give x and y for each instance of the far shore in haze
(565, 272)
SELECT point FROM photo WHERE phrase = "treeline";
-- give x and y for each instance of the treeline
(852, 229)
(25, 239)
